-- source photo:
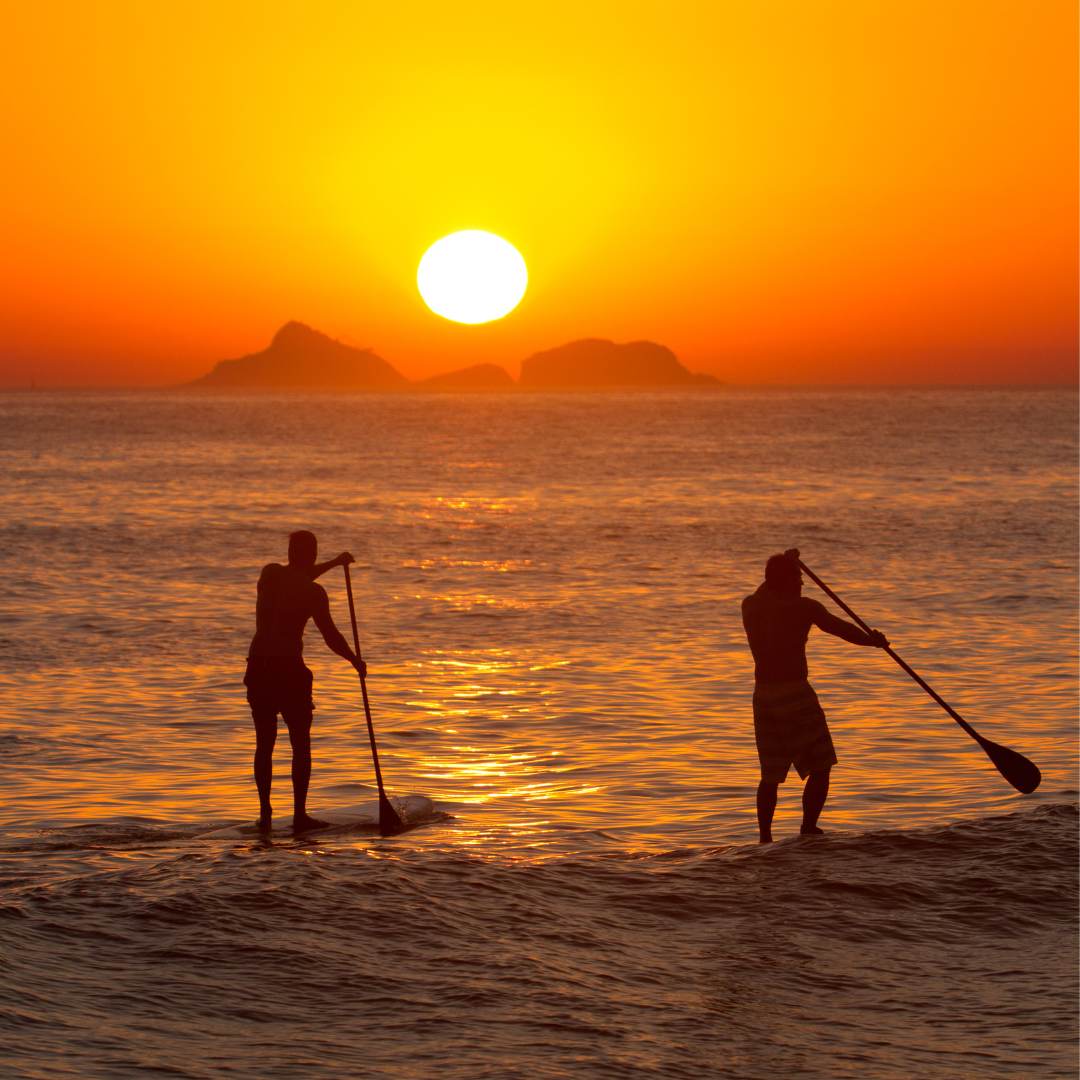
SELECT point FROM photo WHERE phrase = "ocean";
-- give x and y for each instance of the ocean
(548, 589)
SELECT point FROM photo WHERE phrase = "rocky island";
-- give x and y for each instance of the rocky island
(594, 363)
(299, 358)
(477, 377)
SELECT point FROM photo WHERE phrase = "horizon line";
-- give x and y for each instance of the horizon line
(417, 387)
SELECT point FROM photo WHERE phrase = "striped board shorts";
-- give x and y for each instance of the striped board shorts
(790, 729)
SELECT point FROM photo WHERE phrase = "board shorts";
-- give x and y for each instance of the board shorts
(790, 729)
(279, 684)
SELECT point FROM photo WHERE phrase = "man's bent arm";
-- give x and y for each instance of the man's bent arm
(332, 635)
(827, 621)
(319, 569)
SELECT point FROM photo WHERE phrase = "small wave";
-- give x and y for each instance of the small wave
(126, 835)
(1010, 599)
(100, 836)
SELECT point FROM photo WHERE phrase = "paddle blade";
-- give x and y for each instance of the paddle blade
(1023, 774)
(390, 821)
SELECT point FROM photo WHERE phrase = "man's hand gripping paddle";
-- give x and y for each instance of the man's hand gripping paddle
(1023, 774)
(389, 820)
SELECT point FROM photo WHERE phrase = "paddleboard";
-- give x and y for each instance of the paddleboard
(412, 809)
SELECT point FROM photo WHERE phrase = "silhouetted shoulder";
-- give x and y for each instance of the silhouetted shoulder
(813, 608)
(747, 607)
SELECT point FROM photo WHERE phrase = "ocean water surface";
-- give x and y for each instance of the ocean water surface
(548, 591)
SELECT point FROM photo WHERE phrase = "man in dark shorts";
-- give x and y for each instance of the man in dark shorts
(277, 679)
(789, 724)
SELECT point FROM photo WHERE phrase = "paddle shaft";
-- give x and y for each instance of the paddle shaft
(915, 675)
(363, 686)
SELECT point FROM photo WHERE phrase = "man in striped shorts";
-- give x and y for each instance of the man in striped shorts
(789, 724)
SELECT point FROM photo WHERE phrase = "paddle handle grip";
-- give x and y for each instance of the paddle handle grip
(903, 664)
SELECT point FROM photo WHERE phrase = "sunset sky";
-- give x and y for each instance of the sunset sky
(781, 191)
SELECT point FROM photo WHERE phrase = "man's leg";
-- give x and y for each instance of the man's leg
(813, 800)
(265, 737)
(299, 724)
(766, 807)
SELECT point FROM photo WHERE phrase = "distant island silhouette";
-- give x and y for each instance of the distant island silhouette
(477, 377)
(300, 358)
(594, 363)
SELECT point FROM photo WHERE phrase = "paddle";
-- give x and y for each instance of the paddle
(1023, 774)
(389, 821)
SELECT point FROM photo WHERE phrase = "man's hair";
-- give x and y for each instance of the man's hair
(303, 547)
(781, 570)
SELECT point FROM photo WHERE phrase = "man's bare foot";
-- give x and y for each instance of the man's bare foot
(266, 818)
(765, 838)
(305, 823)
(811, 830)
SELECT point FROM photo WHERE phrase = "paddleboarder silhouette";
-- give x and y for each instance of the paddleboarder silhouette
(277, 679)
(789, 725)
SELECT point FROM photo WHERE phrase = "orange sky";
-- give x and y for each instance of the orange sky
(780, 191)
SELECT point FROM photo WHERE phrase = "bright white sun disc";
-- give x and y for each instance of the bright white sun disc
(472, 277)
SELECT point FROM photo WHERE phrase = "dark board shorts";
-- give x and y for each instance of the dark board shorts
(278, 684)
(790, 729)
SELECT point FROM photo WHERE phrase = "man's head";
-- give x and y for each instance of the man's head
(303, 548)
(782, 573)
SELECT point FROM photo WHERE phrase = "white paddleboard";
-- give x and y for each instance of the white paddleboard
(412, 809)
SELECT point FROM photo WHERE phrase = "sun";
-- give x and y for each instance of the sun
(472, 277)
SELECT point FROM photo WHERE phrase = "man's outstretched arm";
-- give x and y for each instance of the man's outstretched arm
(827, 621)
(332, 636)
(319, 569)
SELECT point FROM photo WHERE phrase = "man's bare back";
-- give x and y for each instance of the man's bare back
(277, 680)
(790, 728)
